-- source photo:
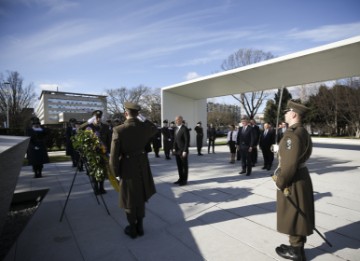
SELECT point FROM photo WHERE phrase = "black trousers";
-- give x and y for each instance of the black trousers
(246, 159)
(199, 143)
(211, 144)
(254, 155)
(183, 167)
(167, 147)
(268, 156)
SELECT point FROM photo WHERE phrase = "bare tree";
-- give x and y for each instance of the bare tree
(15, 97)
(117, 97)
(149, 100)
(251, 102)
(152, 104)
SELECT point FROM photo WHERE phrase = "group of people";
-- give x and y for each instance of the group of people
(244, 140)
(129, 161)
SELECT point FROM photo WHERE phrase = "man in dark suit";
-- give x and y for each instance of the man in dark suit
(267, 139)
(181, 150)
(257, 132)
(245, 142)
(129, 161)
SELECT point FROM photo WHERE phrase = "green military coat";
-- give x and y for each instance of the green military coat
(294, 150)
(129, 161)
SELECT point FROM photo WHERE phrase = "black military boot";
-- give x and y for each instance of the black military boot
(130, 230)
(290, 252)
(139, 227)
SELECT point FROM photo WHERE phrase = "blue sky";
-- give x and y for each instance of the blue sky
(90, 45)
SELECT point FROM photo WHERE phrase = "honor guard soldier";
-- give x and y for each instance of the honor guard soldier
(103, 133)
(129, 161)
(199, 137)
(37, 154)
(156, 140)
(295, 198)
(166, 132)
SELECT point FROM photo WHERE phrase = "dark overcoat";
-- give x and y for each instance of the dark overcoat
(129, 161)
(294, 150)
(37, 152)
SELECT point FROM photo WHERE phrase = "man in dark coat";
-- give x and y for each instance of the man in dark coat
(245, 141)
(199, 137)
(181, 150)
(129, 161)
(294, 185)
(37, 154)
(166, 132)
(267, 139)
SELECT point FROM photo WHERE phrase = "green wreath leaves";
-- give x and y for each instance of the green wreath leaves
(88, 144)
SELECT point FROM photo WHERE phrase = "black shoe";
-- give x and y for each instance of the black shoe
(199, 154)
(182, 183)
(242, 172)
(131, 231)
(290, 252)
(248, 174)
(264, 167)
(102, 191)
(177, 182)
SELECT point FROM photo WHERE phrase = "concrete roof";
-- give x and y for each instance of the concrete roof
(333, 61)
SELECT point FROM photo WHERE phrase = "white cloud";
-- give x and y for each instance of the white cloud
(327, 32)
(192, 75)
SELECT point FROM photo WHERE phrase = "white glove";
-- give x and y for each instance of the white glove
(141, 117)
(91, 120)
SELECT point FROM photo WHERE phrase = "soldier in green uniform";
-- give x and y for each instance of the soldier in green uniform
(294, 185)
(129, 161)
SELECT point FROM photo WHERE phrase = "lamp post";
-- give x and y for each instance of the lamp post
(6, 91)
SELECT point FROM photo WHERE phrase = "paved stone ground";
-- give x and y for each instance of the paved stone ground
(219, 215)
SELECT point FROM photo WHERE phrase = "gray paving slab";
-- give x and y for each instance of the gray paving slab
(219, 215)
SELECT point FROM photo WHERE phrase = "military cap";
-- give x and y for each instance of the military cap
(199, 122)
(117, 120)
(173, 122)
(165, 121)
(296, 107)
(132, 106)
(97, 113)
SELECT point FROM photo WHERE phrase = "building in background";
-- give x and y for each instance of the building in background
(58, 107)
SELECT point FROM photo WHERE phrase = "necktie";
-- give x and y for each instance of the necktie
(231, 136)
(265, 133)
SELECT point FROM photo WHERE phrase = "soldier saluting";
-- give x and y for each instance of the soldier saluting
(295, 190)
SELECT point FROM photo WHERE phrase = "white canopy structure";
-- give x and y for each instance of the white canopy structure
(333, 61)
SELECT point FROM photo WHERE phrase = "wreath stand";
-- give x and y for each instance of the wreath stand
(82, 159)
